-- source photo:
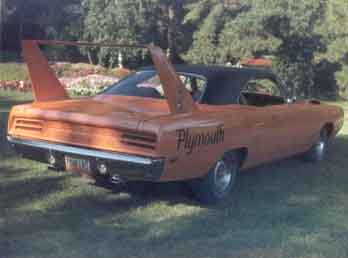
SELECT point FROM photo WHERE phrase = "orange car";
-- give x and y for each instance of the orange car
(163, 123)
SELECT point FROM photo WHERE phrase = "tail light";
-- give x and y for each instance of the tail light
(31, 125)
(142, 140)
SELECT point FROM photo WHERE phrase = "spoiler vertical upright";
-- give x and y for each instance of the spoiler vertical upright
(179, 99)
(46, 85)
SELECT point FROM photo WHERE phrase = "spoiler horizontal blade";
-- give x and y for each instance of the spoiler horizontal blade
(88, 44)
(178, 97)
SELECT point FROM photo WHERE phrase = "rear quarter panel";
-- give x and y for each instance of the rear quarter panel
(192, 143)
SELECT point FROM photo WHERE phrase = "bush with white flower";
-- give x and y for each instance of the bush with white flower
(88, 85)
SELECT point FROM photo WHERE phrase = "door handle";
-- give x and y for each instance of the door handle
(260, 124)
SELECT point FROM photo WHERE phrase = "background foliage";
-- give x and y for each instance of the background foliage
(307, 40)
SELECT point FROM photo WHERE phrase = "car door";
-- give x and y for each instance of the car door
(271, 119)
(302, 126)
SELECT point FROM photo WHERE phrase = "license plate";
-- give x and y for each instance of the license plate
(77, 165)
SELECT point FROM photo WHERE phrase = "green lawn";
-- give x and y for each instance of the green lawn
(13, 71)
(287, 209)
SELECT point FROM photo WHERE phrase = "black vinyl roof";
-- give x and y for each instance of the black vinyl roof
(224, 84)
(212, 71)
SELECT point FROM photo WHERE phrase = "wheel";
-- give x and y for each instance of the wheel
(107, 183)
(319, 149)
(219, 181)
(138, 188)
(103, 181)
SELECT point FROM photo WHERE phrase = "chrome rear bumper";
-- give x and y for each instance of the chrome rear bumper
(126, 166)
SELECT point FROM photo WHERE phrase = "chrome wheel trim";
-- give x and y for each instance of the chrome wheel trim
(320, 148)
(222, 177)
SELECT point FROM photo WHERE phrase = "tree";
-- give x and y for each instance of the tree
(305, 38)
(40, 19)
(170, 27)
(285, 30)
(334, 30)
(209, 17)
(114, 21)
(134, 21)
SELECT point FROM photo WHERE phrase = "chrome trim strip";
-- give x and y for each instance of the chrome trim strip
(82, 151)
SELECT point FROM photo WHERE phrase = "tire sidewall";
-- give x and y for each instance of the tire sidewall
(205, 188)
(314, 154)
(234, 171)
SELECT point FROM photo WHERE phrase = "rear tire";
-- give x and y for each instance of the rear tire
(138, 188)
(219, 181)
(319, 149)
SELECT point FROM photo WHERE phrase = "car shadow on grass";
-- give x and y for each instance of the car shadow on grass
(281, 173)
(289, 208)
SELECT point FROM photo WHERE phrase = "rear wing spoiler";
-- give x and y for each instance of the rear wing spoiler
(46, 86)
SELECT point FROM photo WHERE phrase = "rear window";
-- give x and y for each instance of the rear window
(148, 84)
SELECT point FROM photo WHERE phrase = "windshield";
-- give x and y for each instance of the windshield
(147, 84)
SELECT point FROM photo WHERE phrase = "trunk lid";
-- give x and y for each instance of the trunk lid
(102, 111)
(103, 122)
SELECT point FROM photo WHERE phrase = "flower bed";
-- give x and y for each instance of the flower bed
(79, 79)
(15, 85)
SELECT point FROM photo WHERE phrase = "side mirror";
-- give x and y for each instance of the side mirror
(291, 100)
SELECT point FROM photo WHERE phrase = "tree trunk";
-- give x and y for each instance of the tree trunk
(90, 60)
(174, 11)
(2, 21)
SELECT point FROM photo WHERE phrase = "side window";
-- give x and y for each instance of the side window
(263, 86)
(261, 92)
(195, 85)
(152, 86)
